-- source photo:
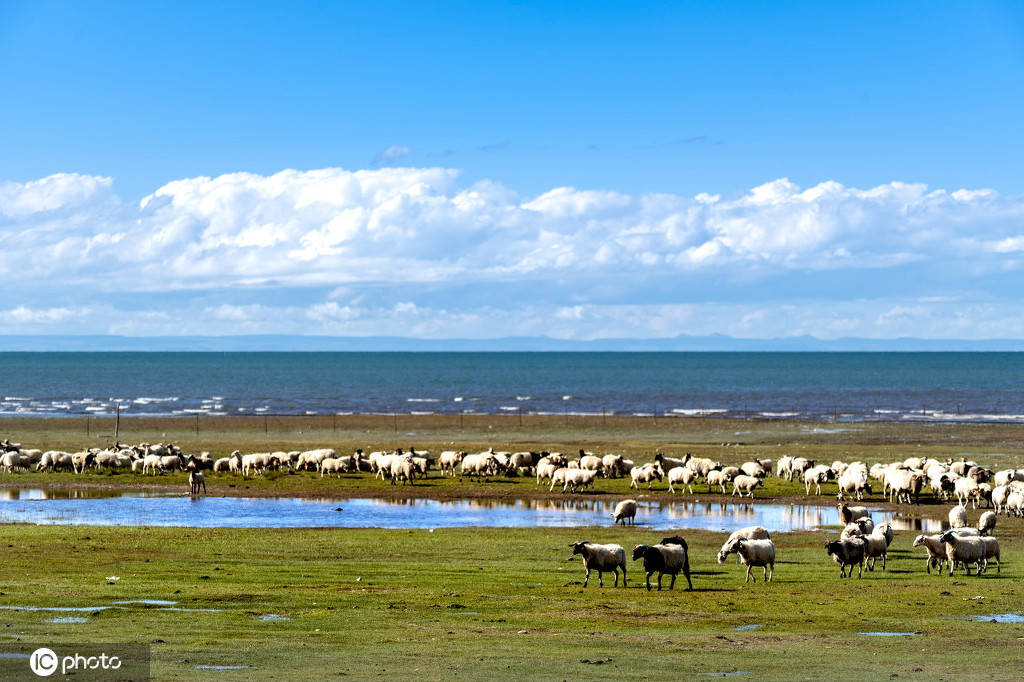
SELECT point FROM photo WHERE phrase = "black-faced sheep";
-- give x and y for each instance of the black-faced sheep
(671, 556)
(848, 552)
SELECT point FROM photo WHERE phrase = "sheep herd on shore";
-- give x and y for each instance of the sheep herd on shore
(900, 482)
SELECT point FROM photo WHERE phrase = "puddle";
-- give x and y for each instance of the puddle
(467, 613)
(69, 619)
(56, 608)
(7, 654)
(888, 634)
(243, 512)
(274, 617)
(1001, 618)
(223, 667)
(175, 608)
(148, 602)
(732, 674)
(752, 626)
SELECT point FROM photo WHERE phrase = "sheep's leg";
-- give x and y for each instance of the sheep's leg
(748, 577)
(672, 585)
(616, 571)
(649, 581)
(623, 575)
(771, 574)
(600, 578)
(586, 579)
(884, 557)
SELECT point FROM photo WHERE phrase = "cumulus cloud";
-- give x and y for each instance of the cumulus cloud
(413, 250)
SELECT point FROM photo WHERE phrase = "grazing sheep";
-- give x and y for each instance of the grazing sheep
(448, 460)
(752, 553)
(784, 468)
(991, 551)
(816, 476)
(403, 468)
(222, 465)
(82, 461)
(601, 558)
(645, 474)
(755, 468)
(626, 509)
(683, 475)
(862, 526)
(750, 532)
(987, 523)
(745, 484)
(664, 558)
(965, 550)
(936, 551)
(958, 516)
(579, 478)
(195, 482)
(591, 463)
(613, 466)
(848, 552)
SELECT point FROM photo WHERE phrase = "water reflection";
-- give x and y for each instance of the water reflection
(77, 507)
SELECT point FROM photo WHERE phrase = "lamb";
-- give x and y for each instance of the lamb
(684, 475)
(848, 552)
(601, 558)
(991, 551)
(958, 516)
(626, 509)
(665, 558)
(752, 553)
(936, 551)
(964, 549)
(331, 465)
(745, 484)
(645, 474)
(987, 522)
(195, 482)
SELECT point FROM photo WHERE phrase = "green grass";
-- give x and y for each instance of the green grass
(455, 603)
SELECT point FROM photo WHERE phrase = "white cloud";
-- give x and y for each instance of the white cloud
(411, 250)
(390, 155)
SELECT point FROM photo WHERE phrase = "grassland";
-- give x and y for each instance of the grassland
(505, 603)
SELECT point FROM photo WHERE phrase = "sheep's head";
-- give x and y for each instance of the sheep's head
(919, 540)
(639, 551)
(577, 547)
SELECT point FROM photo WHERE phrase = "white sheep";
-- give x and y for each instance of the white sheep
(987, 523)
(965, 550)
(195, 482)
(682, 475)
(601, 558)
(626, 509)
(579, 478)
(745, 484)
(403, 468)
(645, 474)
(874, 546)
(958, 516)
(750, 532)
(717, 477)
(936, 551)
(991, 551)
(752, 553)
(816, 476)
(448, 460)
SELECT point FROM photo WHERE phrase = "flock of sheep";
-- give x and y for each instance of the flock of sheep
(861, 543)
(901, 482)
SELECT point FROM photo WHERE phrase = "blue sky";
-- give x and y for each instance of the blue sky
(490, 169)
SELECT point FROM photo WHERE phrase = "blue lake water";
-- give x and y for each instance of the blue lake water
(843, 386)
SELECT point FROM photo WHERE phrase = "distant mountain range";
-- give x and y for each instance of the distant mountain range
(714, 342)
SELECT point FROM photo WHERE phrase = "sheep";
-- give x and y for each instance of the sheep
(847, 552)
(999, 496)
(235, 462)
(581, 478)
(752, 553)
(884, 530)
(1014, 503)
(645, 474)
(784, 467)
(860, 527)
(1004, 477)
(854, 482)
(816, 476)
(546, 469)
(730, 473)
(903, 484)
(750, 532)
(665, 558)
(522, 462)
(755, 468)
(82, 461)
(936, 551)
(222, 465)
(172, 462)
(965, 550)
(668, 463)
(717, 477)
(991, 551)
(966, 489)
(613, 466)
(874, 546)
(684, 475)
(330, 465)
(591, 463)
(702, 465)
(745, 484)
(987, 522)
(958, 516)
(13, 460)
(626, 509)
(195, 482)
(403, 468)
(448, 460)
(601, 558)
(848, 514)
